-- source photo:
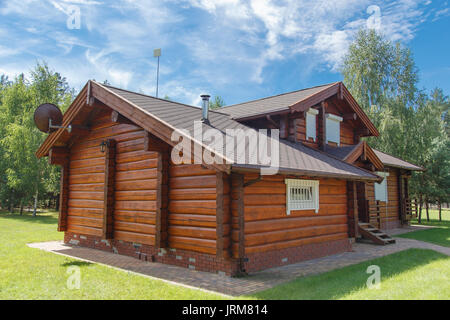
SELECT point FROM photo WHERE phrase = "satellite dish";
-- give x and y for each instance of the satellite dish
(48, 118)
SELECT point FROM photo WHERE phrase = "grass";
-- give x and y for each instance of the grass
(27, 273)
(410, 274)
(439, 235)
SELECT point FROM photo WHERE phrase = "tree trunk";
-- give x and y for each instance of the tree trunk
(419, 218)
(427, 208)
(416, 208)
(21, 207)
(440, 211)
(35, 203)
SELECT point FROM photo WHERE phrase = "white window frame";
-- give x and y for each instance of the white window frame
(333, 124)
(311, 130)
(381, 189)
(311, 185)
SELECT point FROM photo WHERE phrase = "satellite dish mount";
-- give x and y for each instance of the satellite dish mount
(48, 118)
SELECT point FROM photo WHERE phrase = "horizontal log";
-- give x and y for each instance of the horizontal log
(135, 195)
(257, 239)
(263, 226)
(80, 203)
(91, 195)
(85, 212)
(208, 181)
(85, 221)
(135, 205)
(135, 175)
(134, 237)
(84, 230)
(192, 232)
(194, 220)
(193, 194)
(150, 184)
(145, 217)
(86, 178)
(296, 243)
(137, 165)
(133, 227)
(189, 170)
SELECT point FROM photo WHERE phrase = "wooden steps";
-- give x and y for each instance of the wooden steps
(367, 231)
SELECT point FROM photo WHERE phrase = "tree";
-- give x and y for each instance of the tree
(382, 76)
(24, 175)
(217, 103)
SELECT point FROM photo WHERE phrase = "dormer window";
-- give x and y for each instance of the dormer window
(311, 116)
(333, 128)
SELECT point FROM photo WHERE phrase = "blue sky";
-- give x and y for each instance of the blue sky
(240, 50)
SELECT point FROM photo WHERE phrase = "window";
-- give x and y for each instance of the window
(302, 195)
(381, 188)
(311, 123)
(333, 128)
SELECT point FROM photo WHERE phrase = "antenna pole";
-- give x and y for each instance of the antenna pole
(157, 79)
(157, 54)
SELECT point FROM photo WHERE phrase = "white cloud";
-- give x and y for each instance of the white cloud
(207, 44)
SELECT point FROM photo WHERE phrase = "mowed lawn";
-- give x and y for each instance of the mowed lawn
(27, 273)
(440, 234)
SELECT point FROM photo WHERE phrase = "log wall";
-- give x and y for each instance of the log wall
(389, 213)
(134, 189)
(192, 208)
(268, 227)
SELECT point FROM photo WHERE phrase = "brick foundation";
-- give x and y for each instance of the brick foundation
(210, 263)
(177, 257)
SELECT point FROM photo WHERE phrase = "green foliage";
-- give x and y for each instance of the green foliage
(217, 103)
(383, 77)
(22, 175)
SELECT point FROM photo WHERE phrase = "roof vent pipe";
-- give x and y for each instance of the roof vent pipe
(205, 107)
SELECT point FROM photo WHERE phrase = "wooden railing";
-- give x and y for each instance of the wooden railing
(409, 209)
(374, 213)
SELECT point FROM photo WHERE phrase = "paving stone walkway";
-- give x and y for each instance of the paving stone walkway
(244, 285)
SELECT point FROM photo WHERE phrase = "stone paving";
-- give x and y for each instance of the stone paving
(243, 285)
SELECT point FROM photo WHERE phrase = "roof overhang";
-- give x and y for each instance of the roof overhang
(93, 90)
(312, 174)
(338, 89)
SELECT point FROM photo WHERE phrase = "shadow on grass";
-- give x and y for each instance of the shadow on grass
(438, 235)
(44, 218)
(432, 222)
(339, 283)
(76, 263)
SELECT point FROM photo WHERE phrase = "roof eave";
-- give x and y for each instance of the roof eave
(307, 173)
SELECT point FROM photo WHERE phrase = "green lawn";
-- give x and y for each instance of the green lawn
(439, 235)
(27, 273)
(410, 274)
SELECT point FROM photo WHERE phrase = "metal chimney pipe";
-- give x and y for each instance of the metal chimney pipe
(205, 107)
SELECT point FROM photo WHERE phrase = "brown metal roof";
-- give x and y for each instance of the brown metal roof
(273, 104)
(340, 152)
(294, 158)
(392, 161)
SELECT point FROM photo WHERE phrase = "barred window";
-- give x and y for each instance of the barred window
(302, 195)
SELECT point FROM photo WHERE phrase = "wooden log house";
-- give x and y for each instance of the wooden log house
(121, 191)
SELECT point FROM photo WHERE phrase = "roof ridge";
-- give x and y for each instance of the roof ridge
(281, 94)
(149, 96)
